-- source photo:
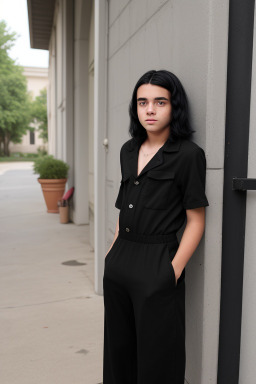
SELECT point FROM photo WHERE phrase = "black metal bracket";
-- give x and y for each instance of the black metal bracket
(243, 184)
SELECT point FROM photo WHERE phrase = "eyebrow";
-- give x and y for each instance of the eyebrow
(156, 98)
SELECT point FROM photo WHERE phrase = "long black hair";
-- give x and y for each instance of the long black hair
(180, 126)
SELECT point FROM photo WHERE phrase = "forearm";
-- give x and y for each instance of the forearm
(189, 242)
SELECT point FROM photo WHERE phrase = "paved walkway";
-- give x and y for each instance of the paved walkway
(51, 320)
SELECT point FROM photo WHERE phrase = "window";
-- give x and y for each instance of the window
(32, 137)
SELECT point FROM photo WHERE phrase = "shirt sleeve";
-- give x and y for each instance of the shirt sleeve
(193, 180)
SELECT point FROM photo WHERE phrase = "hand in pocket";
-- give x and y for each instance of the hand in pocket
(175, 275)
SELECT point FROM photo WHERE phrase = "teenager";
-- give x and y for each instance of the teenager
(162, 185)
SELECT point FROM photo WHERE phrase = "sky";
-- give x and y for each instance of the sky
(15, 14)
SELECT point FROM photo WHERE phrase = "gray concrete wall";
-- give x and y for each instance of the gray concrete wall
(190, 39)
(81, 131)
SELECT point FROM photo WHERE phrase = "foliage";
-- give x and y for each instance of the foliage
(50, 168)
(7, 39)
(24, 154)
(42, 151)
(39, 113)
(14, 99)
(19, 156)
(38, 162)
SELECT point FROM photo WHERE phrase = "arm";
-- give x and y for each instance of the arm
(192, 183)
(116, 234)
(190, 239)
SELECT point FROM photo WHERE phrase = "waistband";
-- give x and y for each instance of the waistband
(139, 237)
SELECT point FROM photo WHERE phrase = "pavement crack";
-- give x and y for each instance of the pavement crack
(46, 302)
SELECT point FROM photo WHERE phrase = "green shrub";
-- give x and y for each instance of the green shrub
(41, 151)
(50, 168)
(30, 155)
(23, 155)
(17, 154)
(38, 161)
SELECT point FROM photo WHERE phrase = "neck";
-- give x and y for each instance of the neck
(153, 142)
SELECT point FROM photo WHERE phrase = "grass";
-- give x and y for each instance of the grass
(19, 156)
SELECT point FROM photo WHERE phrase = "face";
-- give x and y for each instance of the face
(154, 107)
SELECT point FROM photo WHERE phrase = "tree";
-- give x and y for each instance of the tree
(39, 113)
(6, 42)
(15, 111)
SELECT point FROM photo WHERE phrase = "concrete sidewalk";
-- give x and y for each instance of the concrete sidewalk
(51, 320)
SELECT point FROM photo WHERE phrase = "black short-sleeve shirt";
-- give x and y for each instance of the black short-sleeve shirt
(155, 201)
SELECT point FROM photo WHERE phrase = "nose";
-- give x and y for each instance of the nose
(150, 108)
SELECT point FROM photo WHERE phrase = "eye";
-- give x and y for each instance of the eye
(141, 102)
(162, 102)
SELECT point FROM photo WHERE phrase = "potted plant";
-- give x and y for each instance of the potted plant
(52, 177)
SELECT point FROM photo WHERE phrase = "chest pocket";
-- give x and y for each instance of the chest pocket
(157, 189)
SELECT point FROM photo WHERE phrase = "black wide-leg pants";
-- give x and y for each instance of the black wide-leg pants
(144, 316)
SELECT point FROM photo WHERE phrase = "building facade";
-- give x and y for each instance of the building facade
(98, 49)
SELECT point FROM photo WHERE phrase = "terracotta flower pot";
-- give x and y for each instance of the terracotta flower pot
(53, 190)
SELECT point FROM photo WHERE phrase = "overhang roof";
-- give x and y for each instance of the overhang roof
(40, 16)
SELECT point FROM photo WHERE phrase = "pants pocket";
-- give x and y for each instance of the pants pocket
(171, 253)
(111, 249)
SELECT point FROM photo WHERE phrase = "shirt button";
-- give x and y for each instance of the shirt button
(136, 182)
(127, 229)
(130, 205)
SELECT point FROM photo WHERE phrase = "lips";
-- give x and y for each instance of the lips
(151, 120)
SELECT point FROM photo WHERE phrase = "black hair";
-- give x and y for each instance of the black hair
(180, 126)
